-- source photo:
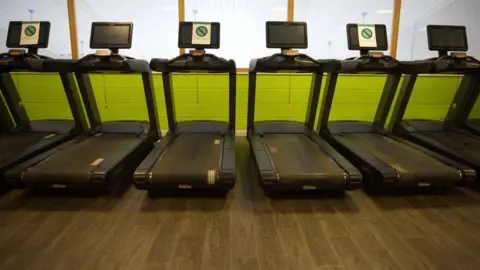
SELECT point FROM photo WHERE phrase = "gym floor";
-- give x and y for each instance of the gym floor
(245, 231)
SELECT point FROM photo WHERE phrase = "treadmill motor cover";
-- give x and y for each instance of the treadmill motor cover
(31, 36)
(111, 35)
(287, 35)
(367, 37)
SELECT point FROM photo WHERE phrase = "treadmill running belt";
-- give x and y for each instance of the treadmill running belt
(11, 144)
(459, 142)
(189, 156)
(475, 124)
(412, 164)
(296, 154)
(74, 163)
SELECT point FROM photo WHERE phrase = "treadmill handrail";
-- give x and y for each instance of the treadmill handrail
(189, 62)
(417, 66)
(443, 64)
(113, 62)
(366, 63)
(300, 63)
(24, 61)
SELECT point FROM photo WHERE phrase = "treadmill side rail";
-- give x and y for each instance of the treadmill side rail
(389, 175)
(265, 164)
(142, 175)
(227, 173)
(354, 176)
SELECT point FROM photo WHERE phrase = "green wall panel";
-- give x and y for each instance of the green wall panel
(356, 97)
(431, 97)
(198, 96)
(271, 81)
(42, 96)
(475, 113)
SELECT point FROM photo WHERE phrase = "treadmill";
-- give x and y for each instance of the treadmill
(6, 122)
(463, 104)
(467, 93)
(385, 160)
(23, 139)
(198, 155)
(289, 155)
(110, 151)
(444, 137)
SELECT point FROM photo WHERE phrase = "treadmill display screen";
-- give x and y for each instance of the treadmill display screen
(111, 35)
(185, 35)
(15, 32)
(287, 35)
(381, 40)
(449, 38)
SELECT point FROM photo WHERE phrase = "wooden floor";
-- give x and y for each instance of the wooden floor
(244, 231)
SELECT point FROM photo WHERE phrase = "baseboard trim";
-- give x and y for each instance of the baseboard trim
(238, 133)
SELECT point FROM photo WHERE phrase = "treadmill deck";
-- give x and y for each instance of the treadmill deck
(74, 163)
(298, 157)
(411, 164)
(11, 144)
(463, 144)
(189, 158)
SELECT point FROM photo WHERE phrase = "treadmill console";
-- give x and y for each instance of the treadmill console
(286, 36)
(29, 36)
(111, 37)
(197, 36)
(453, 39)
(364, 38)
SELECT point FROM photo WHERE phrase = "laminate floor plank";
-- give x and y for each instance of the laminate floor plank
(318, 244)
(444, 243)
(291, 238)
(375, 253)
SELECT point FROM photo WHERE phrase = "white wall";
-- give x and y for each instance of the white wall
(327, 20)
(243, 23)
(54, 11)
(416, 15)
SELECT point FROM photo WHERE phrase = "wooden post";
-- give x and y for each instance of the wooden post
(291, 7)
(397, 6)
(72, 22)
(181, 16)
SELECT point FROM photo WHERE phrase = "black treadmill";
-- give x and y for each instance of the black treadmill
(289, 155)
(445, 137)
(466, 97)
(24, 138)
(196, 155)
(112, 150)
(463, 104)
(385, 160)
(7, 125)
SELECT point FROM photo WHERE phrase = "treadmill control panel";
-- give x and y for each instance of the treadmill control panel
(458, 55)
(290, 52)
(376, 54)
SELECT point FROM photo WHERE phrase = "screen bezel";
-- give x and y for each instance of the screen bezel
(286, 46)
(111, 46)
(45, 25)
(197, 46)
(431, 47)
(351, 26)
